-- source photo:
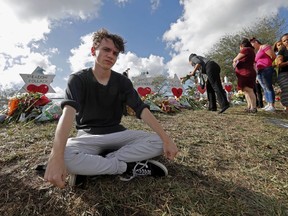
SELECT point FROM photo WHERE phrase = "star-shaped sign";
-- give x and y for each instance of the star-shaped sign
(37, 82)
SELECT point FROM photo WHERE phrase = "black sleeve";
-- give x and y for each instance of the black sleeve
(73, 95)
(133, 100)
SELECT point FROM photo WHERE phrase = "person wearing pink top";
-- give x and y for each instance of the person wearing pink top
(264, 59)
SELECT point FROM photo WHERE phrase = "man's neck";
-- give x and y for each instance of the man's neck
(101, 75)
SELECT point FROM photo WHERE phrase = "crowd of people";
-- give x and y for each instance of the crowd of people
(258, 68)
(266, 68)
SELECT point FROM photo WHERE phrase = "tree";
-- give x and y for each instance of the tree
(160, 84)
(8, 91)
(267, 30)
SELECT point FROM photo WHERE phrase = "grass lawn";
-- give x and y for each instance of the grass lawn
(229, 164)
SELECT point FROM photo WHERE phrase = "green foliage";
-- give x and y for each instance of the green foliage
(159, 83)
(8, 91)
(267, 30)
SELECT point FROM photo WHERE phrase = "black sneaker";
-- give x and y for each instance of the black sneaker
(144, 168)
(224, 109)
(77, 180)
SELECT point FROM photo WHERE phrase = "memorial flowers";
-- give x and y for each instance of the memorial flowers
(22, 104)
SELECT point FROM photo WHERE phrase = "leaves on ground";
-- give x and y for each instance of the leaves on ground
(229, 164)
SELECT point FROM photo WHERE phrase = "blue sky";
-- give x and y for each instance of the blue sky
(160, 34)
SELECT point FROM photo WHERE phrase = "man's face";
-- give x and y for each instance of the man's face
(106, 54)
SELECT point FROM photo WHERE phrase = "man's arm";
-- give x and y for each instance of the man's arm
(197, 67)
(56, 170)
(170, 149)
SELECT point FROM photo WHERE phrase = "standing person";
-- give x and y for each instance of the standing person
(95, 96)
(264, 59)
(213, 83)
(282, 63)
(258, 93)
(276, 47)
(246, 74)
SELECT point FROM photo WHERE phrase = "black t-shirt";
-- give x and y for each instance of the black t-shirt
(283, 52)
(100, 107)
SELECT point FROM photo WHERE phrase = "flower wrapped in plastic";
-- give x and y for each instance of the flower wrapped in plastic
(24, 103)
(184, 79)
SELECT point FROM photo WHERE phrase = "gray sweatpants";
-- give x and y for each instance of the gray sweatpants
(83, 152)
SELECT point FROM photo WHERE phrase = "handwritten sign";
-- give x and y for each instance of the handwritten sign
(37, 82)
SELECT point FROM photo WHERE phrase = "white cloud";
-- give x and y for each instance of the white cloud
(81, 56)
(26, 24)
(54, 9)
(60, 92)
(155, 4)
(205, 22)
(153, 64)
(199, 27)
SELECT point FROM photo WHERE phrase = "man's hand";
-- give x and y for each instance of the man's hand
(184, 79)
(170, 149)
(56, 171)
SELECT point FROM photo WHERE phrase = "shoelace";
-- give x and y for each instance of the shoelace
(141, 170)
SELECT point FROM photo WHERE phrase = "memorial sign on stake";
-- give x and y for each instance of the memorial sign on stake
(176, 86)
(37, 82)
(143, 84)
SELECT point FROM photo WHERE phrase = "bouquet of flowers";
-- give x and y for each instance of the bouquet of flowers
(238, 98)
(184, 79)
(22, 104)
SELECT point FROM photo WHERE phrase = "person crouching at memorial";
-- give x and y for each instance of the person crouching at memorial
(214, 85)
(95, 96)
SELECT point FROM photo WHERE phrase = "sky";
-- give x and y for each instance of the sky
(160, 34)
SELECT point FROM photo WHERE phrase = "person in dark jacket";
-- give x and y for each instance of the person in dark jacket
(214, 86)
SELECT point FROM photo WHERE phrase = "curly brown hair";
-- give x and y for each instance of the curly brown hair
(118, 41)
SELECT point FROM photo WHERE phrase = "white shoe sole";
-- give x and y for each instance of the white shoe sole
(72, 180)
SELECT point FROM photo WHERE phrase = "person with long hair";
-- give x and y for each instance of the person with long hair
(246, 74)
(276, 47)
(264, 59)
(282, 63)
